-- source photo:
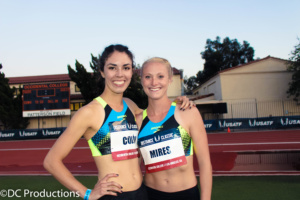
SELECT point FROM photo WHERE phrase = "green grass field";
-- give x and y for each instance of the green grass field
(224, 188)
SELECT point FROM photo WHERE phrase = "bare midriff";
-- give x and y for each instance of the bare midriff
(173, 180)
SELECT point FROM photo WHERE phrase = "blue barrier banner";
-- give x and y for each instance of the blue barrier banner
(257, 123)
(31, 134)
(210, 125)
(289, 121)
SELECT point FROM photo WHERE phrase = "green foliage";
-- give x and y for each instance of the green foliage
(10, 105)
(86, 81)
(222, 55)
(294, 66)
(92, 84)
(219, 56)
(136, 93)
(190, 84)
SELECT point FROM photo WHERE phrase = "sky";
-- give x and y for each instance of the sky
(44, 37)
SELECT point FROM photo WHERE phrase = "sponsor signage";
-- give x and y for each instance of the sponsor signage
(210, 125)
(258, 123)
(290, 121)
(31, 134)
(46, 100)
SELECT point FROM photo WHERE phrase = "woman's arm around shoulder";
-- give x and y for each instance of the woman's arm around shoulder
(184, 102)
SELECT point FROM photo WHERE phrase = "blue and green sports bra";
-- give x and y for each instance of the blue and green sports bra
(117, 135)
(169, 122)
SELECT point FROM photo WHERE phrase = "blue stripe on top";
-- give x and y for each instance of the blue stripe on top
(152, 127)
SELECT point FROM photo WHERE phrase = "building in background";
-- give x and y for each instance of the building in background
(253, 90)
(40, 122)
(42, 86)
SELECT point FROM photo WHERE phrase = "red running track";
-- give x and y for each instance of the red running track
(26, 157)
(224, 148)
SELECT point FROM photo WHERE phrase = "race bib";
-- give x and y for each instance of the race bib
(162, 151)
(123, 138)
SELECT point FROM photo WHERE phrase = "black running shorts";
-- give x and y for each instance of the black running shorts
(139, 194)
(189, 194)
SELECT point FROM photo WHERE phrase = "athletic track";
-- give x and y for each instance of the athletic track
(26, 157)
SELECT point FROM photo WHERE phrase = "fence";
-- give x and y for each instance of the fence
(251, 108)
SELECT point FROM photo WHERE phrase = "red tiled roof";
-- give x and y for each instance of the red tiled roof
(39, 79)
(176, 71)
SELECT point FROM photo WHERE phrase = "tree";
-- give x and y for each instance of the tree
(294, 66)
(92, 85)
(219, 56)
(88, 83)
(11, 105)
(190, 84)
(136, 93)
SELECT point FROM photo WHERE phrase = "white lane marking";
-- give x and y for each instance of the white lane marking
(258, 143)
(36, 149)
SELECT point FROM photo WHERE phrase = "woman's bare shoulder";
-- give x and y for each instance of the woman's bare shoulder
(89, 114)
(89, 108)
(189, 113)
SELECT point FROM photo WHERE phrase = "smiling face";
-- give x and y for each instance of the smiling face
(155, 79)
(117, 72)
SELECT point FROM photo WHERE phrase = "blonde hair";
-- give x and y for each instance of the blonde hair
(159, 60)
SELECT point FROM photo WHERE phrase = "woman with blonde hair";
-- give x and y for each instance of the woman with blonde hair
(168, 138)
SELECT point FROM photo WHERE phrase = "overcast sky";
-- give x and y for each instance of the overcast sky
(39, 37)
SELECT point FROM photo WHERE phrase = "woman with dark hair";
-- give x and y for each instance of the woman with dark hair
(108, 124)
(168, 139)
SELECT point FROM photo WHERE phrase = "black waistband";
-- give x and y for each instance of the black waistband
(190, 194)
(140, 193)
